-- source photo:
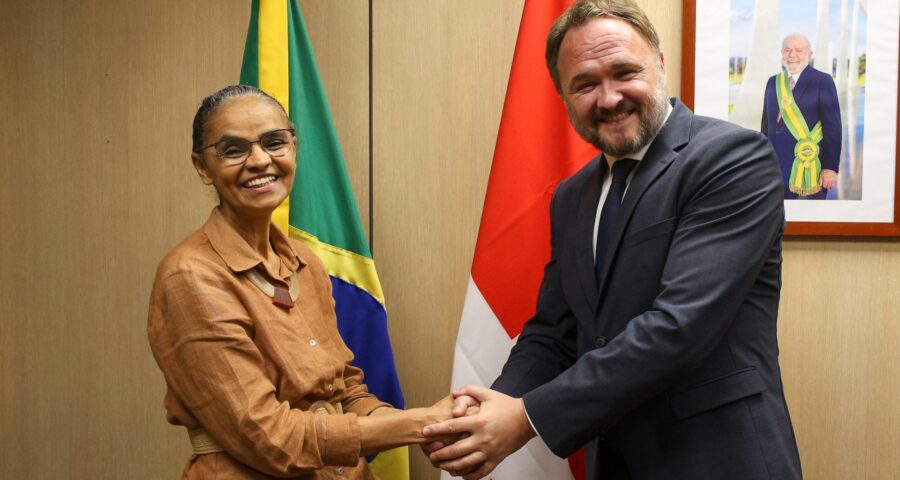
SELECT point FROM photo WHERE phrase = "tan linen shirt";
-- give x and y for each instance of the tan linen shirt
(247, 370)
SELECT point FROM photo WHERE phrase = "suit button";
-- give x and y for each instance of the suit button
(600, 342)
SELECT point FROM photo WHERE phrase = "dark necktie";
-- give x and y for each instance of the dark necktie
(610, 211)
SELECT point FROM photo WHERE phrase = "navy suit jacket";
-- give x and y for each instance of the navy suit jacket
(817, 99)
(672, 360)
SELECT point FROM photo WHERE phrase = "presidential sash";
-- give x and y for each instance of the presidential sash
(806, 168)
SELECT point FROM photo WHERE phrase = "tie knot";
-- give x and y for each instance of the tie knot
(622, 168)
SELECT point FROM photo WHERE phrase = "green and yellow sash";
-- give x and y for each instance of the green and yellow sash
(807, 166)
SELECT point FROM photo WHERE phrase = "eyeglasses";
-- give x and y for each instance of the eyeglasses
(236, 150)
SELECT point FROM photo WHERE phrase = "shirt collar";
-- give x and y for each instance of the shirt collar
(796, 76)
(237, 253)
(639, 155)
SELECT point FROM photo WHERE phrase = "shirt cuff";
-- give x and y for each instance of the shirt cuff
(532, 424)
(364, 406)
(339, 439)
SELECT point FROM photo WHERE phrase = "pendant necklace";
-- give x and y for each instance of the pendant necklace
(282, 297)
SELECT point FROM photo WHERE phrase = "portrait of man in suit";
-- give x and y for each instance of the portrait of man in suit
(653, 342)
(802, 119)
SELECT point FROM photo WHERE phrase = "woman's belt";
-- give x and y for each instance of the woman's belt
(203, 443)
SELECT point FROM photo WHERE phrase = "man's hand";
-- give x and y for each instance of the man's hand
(498, 429)
(462, 405)
(828, 178)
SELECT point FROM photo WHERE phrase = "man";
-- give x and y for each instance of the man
(801, 107)
(662, 361)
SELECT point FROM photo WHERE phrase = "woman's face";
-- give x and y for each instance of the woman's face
(253, 189)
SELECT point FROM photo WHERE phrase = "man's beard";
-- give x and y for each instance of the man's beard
(651, 114)
(800, 67)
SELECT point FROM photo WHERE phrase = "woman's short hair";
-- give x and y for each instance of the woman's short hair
(212, 102)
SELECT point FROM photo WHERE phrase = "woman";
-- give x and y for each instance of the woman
(242, 322)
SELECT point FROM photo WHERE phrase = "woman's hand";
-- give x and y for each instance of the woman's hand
(445, 409)
(385, 428)
(442, 409)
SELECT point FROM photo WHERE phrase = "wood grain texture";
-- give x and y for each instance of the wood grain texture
(440, 74)
(98, 101)
(103, 186)
(839, 330)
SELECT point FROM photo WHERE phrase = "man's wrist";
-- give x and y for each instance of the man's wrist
(528, 426)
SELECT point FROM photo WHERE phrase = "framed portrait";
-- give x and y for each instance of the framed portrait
(820, 78)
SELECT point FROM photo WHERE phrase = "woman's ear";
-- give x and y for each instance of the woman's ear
(200, 166)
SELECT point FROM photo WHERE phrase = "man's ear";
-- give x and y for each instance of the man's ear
(662, 62)
(200, 166)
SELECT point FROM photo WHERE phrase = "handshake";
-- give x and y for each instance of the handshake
(480, 428)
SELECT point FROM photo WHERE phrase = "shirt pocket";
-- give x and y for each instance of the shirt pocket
(717, 392)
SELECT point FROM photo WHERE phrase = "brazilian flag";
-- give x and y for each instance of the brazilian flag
(321, 211)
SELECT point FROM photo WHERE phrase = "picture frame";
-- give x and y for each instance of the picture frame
(870, 205)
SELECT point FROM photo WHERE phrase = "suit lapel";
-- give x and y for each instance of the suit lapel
(584, 234)
(674, 134)
(802, 84)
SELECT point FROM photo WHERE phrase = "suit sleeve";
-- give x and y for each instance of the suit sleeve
(732, 217)
(764, 123)
(546, 346)
(830, 114)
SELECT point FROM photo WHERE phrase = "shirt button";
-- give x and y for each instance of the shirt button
(600, 341)
(339, 470)
(313, 342)
(329, 387)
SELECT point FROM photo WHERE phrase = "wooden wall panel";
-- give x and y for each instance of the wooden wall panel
(839, 331)
(100, 124)
(440, 74)
(98, 99)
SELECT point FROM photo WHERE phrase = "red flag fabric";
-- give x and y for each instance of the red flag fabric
(536, 148)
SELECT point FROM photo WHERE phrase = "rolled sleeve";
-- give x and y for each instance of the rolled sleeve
(338, 438)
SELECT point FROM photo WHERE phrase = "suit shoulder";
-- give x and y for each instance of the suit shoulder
(578, 179)
(817, 74)
(717, 147)
(711, 130)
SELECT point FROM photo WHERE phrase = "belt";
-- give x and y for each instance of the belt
(203, 443)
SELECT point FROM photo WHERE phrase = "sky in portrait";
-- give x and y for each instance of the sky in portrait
(794, 16)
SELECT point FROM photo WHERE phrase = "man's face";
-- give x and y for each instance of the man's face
(795, 54)
(613, 85)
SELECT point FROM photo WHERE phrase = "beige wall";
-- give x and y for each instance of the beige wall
(97, 100)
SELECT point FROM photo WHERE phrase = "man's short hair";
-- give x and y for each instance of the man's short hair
(797, 35)
(583, 11)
